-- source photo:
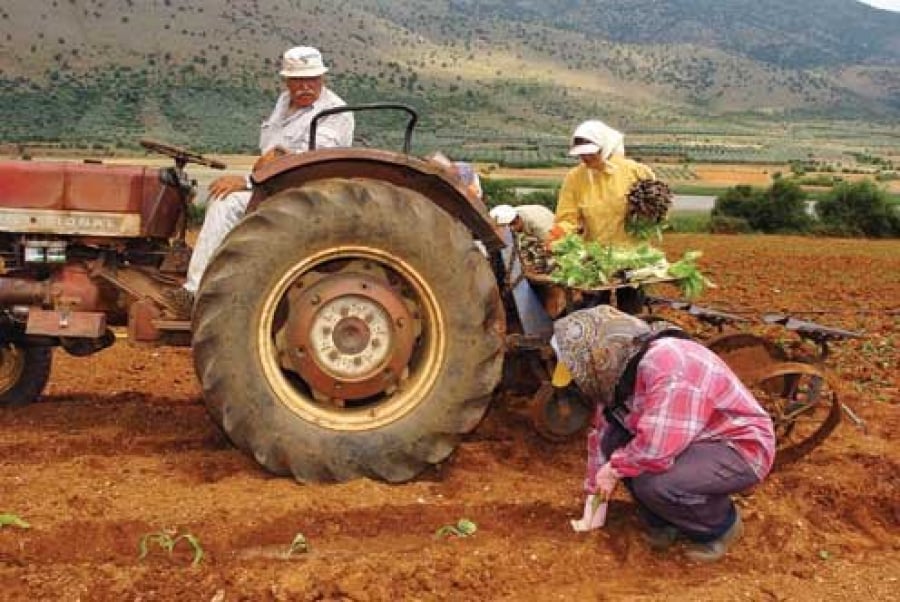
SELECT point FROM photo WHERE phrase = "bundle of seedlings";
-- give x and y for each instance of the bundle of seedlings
(534, 254)
(648, 203)
(580, 264)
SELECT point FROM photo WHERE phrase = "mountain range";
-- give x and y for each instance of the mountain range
(204, 72)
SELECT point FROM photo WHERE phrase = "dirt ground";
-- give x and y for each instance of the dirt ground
(732, 175)
(121, 446)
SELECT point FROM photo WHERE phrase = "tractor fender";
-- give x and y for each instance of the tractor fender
(431, 179)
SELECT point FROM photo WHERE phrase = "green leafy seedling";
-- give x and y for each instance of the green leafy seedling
(13, 520)
(167, 539)
(463, 528)
(299, 545)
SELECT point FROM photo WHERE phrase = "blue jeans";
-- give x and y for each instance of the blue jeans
(694, 495)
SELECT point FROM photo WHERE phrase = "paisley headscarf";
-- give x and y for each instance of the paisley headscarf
(595, 345)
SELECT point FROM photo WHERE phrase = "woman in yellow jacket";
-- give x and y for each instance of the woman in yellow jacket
(593, 195)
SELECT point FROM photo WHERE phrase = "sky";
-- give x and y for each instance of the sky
(886, 4)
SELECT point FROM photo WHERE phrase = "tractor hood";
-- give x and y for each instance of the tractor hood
(68, 198)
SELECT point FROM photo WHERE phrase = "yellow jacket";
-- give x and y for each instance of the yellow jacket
(596, 199)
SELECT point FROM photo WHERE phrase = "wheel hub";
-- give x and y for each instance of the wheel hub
(349, 336)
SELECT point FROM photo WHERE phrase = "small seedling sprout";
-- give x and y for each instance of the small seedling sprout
(463, 528)
(167, 539)
(299, 545)
(13, 520)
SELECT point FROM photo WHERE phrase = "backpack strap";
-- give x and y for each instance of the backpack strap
(618, 410)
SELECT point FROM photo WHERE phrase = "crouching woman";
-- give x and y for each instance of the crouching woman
(673, 422)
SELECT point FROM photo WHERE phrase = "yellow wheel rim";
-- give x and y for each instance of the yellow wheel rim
(12, 363)
(424, 369)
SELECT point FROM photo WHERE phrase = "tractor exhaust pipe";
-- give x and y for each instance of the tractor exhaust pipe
(18, 291)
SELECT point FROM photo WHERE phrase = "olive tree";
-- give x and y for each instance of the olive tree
(859, 208)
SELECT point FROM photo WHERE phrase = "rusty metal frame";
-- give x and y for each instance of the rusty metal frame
(303, 313)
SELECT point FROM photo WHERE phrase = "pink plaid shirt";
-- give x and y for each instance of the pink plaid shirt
(684, 393)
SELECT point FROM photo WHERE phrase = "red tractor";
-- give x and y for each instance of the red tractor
(348, 326)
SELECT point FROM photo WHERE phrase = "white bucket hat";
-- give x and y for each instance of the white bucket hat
(302, 61)
(503, 214)
(602, 139)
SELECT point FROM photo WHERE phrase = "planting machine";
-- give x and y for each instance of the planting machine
(348, 326)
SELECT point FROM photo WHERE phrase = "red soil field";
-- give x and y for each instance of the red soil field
(121, 446)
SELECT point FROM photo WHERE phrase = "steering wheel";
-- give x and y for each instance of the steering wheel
(182, 156)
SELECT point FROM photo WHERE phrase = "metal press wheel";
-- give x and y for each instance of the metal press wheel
(747, 354)
(803, 403)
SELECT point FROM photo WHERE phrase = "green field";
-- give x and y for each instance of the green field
(689, 221)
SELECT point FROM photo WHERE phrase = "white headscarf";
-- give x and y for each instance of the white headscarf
(504, 214)
(604, 140)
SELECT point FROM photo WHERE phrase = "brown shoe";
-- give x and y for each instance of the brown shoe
(180, 301)
(660, 538)
(714, 550)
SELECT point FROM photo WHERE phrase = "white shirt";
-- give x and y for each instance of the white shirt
(537, 219)
(291, 131)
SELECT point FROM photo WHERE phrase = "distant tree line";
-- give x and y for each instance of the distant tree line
(860, 209)
(849, 209)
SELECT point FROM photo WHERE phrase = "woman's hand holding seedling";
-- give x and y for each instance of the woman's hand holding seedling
(606, 481)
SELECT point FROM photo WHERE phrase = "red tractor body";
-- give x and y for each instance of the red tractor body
(85, 246)
(63, 198)
(351, 306)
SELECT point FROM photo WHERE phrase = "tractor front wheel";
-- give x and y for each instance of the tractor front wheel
(24, 372)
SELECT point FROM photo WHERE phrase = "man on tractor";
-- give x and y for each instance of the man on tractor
(285, 131)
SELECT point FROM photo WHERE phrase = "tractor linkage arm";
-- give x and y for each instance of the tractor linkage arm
(819, 334)
(713, 317)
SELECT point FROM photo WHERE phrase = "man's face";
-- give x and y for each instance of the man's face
(304, 90)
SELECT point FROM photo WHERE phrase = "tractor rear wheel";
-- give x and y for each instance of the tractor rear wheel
(24, 372)
(348, 329)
